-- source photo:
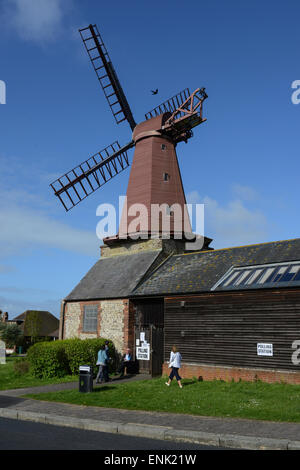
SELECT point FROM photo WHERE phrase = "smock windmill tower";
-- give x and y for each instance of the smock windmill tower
(155, 176)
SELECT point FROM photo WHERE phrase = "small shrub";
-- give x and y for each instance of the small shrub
(48, 359)
(63, 357)
(77, 353)
(81, 352)
(21, 366)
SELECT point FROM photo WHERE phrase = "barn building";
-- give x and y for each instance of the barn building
(234, 313)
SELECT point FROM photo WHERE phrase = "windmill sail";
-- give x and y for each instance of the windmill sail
(169, 106)
(84, 179)
(187, 116)
(106, 74)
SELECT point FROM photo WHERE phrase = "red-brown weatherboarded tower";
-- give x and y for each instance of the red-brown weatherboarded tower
(154, 180)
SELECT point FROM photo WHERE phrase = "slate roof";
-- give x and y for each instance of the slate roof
(114, 277)
(199, 271)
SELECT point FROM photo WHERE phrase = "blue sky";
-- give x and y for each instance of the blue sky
(243, 163)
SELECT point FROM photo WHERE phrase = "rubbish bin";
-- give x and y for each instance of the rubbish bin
(85, 379)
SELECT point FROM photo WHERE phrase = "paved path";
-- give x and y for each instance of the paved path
(220, 432)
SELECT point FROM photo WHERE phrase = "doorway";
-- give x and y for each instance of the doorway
(149, 336)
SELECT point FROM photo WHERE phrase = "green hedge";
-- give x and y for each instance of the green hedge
(63, 357)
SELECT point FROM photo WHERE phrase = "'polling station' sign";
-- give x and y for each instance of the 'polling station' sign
(143, 353)
(264, 349)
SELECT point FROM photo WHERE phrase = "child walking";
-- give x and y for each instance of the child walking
(174, 364)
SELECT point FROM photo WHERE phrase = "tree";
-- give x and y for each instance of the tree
(10, 334)
(33, 323)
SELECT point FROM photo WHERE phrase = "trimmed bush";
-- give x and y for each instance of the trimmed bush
(63, 357)
(48, 359)
(80, 352)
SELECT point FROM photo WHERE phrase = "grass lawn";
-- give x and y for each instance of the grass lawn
(258, 400)
(9, 379)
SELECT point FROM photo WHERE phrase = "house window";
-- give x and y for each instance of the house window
(163, 146)
(90, 318)
(166, 176)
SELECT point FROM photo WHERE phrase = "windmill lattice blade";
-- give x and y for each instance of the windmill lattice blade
(170, 105)
(106, 74)
(187, 116)
(84, 179)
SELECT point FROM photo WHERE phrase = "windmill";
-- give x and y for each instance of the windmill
(155, 176)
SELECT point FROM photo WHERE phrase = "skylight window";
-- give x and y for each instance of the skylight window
(266, 275)
(279, 273)
(262, 276)
(231, 278)
(289, 275)
(254, 276)
(241, 278)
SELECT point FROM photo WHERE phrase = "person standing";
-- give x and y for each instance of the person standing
(174, 364)
(102, 363)
(105, 370)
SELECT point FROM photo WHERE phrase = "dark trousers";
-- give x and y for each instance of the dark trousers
(174, 372)
(105, 373)
(125, 364)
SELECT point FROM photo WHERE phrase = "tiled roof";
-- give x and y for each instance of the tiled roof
(114, 277)
(199, 271)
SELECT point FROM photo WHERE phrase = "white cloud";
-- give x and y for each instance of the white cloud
(36, 20)
(246, 193)
(26, 228)
(231, 224)
(25, 219)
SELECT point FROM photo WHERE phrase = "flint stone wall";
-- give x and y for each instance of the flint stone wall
(110, 321)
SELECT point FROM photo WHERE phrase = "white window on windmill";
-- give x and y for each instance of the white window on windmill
(166, 177)
(163, 146)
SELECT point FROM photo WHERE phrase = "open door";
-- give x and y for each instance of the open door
(149, 336)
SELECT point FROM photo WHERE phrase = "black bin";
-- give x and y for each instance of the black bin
(85, 379)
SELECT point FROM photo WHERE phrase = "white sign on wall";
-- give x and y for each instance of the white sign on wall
(142, 337)
(264, 349)
(143, 353)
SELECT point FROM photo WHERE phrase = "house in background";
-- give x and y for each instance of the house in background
(47, 324)
(35, 323)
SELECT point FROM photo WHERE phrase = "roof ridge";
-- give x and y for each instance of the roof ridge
(235, 247)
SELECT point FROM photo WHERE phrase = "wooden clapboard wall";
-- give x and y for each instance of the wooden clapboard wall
(223, 328)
